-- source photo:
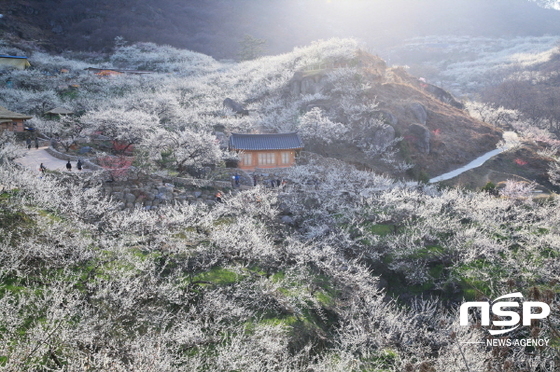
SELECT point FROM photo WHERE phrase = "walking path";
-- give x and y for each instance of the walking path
(510, 140)
(35, 157)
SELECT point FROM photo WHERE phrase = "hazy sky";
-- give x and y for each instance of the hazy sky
(382, 23)
(215, 27)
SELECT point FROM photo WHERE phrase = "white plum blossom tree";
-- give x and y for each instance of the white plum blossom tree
(183, 149)
(339, 270)
(125, 128)
(315, 126)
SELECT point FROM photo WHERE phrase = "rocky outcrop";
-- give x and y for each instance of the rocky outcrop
(388, 117)
(419, 112)
(384, 135)
(419, 135)
(323, 104)
(236, 107)
(308, 83)
(443, 95)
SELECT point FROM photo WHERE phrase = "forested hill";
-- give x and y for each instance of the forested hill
(346, 103)
(214, 27)
(340, 270)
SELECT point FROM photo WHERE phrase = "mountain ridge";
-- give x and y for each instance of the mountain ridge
(215, 27)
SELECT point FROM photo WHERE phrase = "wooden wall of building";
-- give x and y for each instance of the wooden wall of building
(266, 159)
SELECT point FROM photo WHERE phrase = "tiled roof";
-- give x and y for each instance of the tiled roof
(7, 114)
(59, 111)
(273, 141)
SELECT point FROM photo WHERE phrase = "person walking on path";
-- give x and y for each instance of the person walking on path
(79, 165)
(28, 142)
(36, 143)
(219, 197)
(42, 168)
(68, 166)
(236, 179)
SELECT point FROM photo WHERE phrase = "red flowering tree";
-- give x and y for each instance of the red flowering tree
(117, 166)
(125, 128)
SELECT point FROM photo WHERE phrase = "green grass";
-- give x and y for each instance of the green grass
(50, 215)
(278, 276)
(11, 220)
(287, 321)
(17, 224)
(6, 195)
(324, 298)
(224, 221)
(472, 278)
(11, 284)
(255, 270)
(385, 358)
(428, 252)
(144, 255)
(437, 271)
(218, 276)
(381, 229)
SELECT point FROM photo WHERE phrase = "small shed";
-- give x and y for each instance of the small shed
(58, 111)
(20, 63)
(12, 121)
(263, 151)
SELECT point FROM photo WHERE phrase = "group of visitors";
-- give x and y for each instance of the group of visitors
(28, 143)
(268, 183)
(277, 183)
(79, 165)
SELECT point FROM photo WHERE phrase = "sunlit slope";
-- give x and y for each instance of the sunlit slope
(361, 109)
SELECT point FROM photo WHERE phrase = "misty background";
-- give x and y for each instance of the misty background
(215, 27)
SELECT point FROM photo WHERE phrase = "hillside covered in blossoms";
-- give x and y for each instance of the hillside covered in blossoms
(353, 263)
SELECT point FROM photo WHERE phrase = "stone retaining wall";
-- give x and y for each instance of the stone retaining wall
(150, 194)
(150, 191)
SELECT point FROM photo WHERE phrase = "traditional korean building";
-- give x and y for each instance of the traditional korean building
(265, 151)
(12, 121)
(58, 112)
